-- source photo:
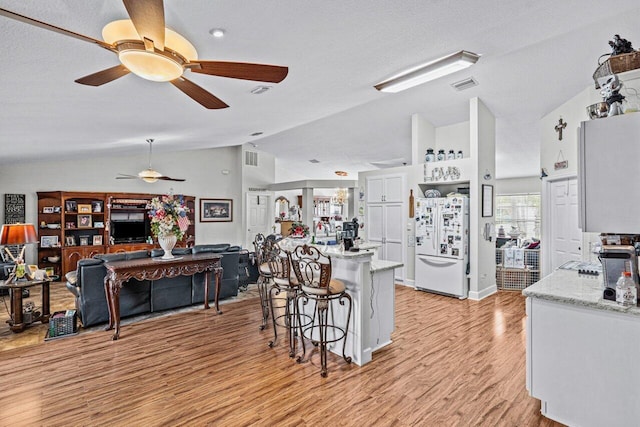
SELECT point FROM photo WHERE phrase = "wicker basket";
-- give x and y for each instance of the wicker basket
(60, 325)
(515, 279)
(617, 64)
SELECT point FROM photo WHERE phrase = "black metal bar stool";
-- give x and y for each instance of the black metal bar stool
(282, 296)
(264, 277)
(313, 272)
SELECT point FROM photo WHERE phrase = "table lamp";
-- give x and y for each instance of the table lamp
(18, 234)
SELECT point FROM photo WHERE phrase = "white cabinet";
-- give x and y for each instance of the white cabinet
(582, 363)
(385, 188)
(609, 155)
(387, 216)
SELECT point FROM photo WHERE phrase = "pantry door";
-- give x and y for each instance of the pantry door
(565, 235)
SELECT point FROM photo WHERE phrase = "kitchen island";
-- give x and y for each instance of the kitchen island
(371, 286)
(583, 352)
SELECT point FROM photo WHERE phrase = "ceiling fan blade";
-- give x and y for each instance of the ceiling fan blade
(241, 70)
(198, 94)
(166, 178)
(148, 18)
(53, 28)
(104, 76)
(123, 176)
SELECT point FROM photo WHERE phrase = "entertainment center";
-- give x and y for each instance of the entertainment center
(77, 225)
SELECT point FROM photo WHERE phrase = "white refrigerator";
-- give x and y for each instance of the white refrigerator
(442, 245)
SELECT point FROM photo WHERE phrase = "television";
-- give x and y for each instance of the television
(130, 231)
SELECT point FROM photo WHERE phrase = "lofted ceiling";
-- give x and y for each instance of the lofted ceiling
(535, 56)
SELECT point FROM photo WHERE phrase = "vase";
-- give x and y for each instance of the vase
(167, 243)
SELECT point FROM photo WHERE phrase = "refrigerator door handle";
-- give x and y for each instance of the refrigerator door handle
(437, 262)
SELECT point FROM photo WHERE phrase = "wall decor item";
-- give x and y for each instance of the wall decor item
(48, 241)
(84, 240)
(487, 200)
(98, 224)
(216, 210)
(559, 128)
(70, 241)
(97, 239)
(14, 208)
(96, 206)
(47, 209)
(84, 208)
(84, 221)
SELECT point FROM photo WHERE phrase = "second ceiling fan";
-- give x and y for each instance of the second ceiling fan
(148, 49)
(149, 175)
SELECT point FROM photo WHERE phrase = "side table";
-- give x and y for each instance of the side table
(16, 321)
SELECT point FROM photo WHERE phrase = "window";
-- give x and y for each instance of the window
(520, 211)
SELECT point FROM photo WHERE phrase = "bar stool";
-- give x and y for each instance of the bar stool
(313, 272)
(264, 277)
(284, 311)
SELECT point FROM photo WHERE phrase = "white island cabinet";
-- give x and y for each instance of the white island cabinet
(583, 353)
(371, 286)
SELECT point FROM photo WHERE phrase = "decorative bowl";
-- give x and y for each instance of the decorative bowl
(598, 110)
(53, 226)
(53, 258)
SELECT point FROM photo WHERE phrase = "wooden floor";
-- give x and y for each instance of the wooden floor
(452, 363)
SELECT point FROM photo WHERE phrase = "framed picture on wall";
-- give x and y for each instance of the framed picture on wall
(216, 210)
(487, 200)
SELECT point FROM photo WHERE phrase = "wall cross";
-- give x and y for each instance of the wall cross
(559, 127)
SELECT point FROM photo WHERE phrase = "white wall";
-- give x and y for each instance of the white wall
(531, 184)
(482, 135)
(201, 169)
(454, 137)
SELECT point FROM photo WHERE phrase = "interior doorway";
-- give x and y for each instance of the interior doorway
(563, 235)
(260, 217)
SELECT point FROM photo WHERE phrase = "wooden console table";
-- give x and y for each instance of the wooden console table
(17, 322)
(119, 272)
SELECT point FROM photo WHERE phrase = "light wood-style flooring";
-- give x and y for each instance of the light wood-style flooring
(452, 363)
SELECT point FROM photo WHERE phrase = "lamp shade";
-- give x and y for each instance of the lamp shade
(18, 234)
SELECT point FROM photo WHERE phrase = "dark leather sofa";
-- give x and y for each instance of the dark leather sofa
(138, 297)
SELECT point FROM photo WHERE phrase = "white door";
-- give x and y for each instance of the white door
(566, 236)
(259, 216)
(375, 224)
(393, 236)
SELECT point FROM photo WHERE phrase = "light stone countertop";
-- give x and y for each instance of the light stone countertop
(569, 287)
(382, 265)
(366, 249)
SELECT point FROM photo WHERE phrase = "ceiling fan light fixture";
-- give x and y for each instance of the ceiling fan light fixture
(429, 71)
(150, 65)
(154, 64)
(149, 175)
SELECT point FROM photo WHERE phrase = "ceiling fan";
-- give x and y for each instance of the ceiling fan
(148, 49)
(149, 174)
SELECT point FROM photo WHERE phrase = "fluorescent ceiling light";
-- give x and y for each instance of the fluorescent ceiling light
(427, 72)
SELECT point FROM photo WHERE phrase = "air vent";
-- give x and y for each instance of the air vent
(464, 84)
(314, 161)
(250, 158)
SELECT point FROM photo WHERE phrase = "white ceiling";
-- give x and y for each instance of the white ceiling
(535, 56)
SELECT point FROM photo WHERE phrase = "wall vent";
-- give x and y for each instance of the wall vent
(251, 158)
(464, 84)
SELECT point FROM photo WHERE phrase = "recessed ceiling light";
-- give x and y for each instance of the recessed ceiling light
(260, 89)
(341, 173)
(256, 133)
(217, 32)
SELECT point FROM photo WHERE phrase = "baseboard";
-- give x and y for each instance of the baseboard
(408, 283)
(477, 296)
